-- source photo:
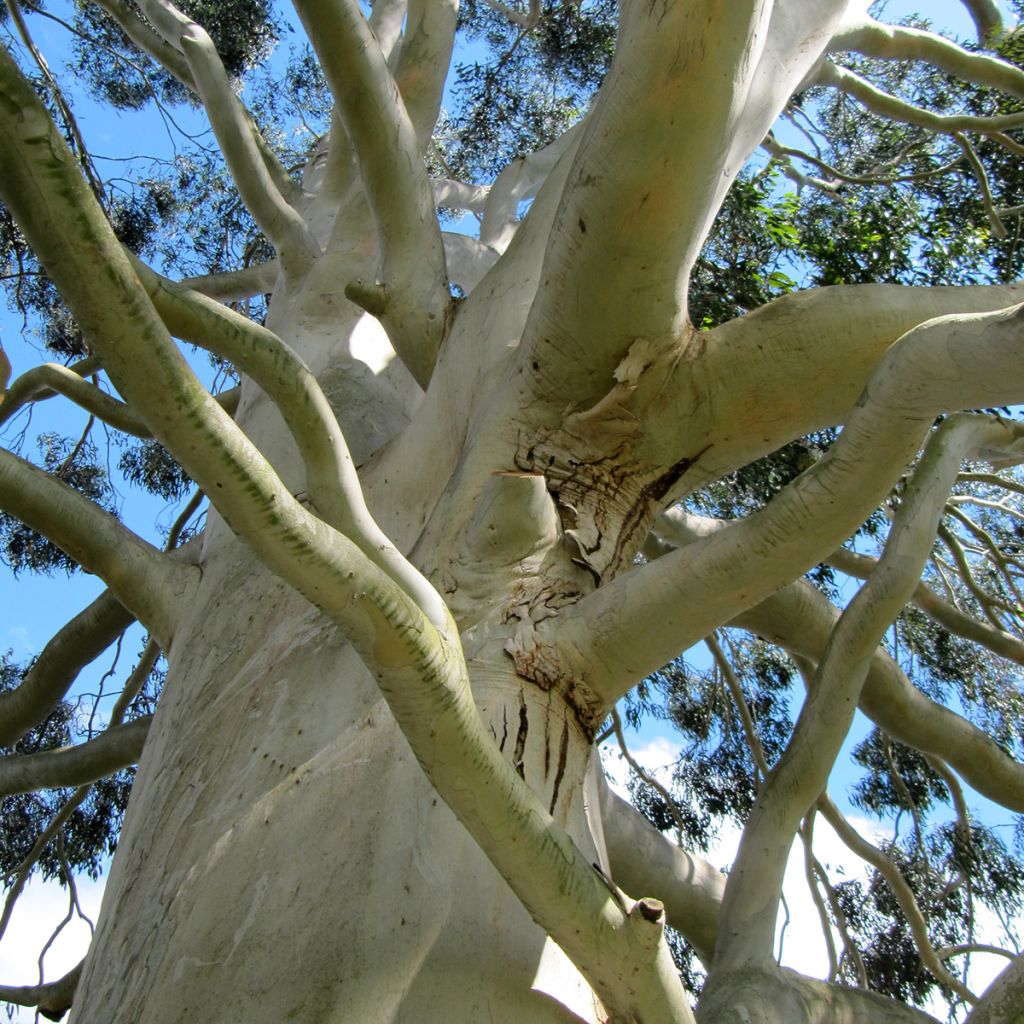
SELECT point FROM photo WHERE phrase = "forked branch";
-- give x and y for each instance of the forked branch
(755, 882)
(411, 297)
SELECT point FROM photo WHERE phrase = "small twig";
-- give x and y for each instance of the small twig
(807, 840)
(997, 226)
(644, 776)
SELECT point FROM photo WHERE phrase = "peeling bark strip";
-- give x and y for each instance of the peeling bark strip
(563, 754)
(524, 728)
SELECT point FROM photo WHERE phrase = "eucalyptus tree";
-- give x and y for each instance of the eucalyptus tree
(475, 488)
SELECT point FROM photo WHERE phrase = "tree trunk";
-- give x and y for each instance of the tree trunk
(284, 856)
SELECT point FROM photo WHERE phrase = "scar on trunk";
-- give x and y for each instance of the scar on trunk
(563, 756)
(524, 727)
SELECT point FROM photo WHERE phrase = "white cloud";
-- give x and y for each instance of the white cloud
(655, 756)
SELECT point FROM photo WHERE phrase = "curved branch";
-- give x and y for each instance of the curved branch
(895, 109)
(258, 187)
(764, 995)
(411, 300)
(900, 42)
(149, 41)
(235, 285)
(801, 774)
(887, 868)
(53, 998)
(48, 379)
(988, 20)
(939, 610)
(629, 628)
(419, 667)
(424, 60)
(331, 478)
(79, 642)
(460, 195)
(149, 583)
(114, 749)
(799, 618)
(761, 384)
(519, 180)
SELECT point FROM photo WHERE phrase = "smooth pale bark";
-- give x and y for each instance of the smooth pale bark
(614, 637)
(1003, 1002)
(753, 891)
(275, 778)
(150, 584)
(410, 295)
(800, 619)
(772, 994)
(52, 378)
(988, 20)
(423, 61)
(643, 860)
(939, 610)
(873, 39)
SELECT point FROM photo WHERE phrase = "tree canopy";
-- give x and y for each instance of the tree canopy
(662, 357)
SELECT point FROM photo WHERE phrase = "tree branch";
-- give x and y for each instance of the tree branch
(460, 195)
(149, 41)
(282, 224)
(519, 180)
(800, 619)
(947, 615)
(149, 583)
(53, 998)
(895, 109)
(988, 21)
(904, 895)
(1002, 1000)
(763, 995)
(79, 642)
(237, 284)
(331, 478)
(901, 42)
(115, 748)
(48, 379)
(424, 60)
(644, 618)
(695, 94)
(755, 882)
(411, 299)
(643, 860)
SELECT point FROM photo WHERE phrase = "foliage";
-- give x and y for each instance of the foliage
(872, 200)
